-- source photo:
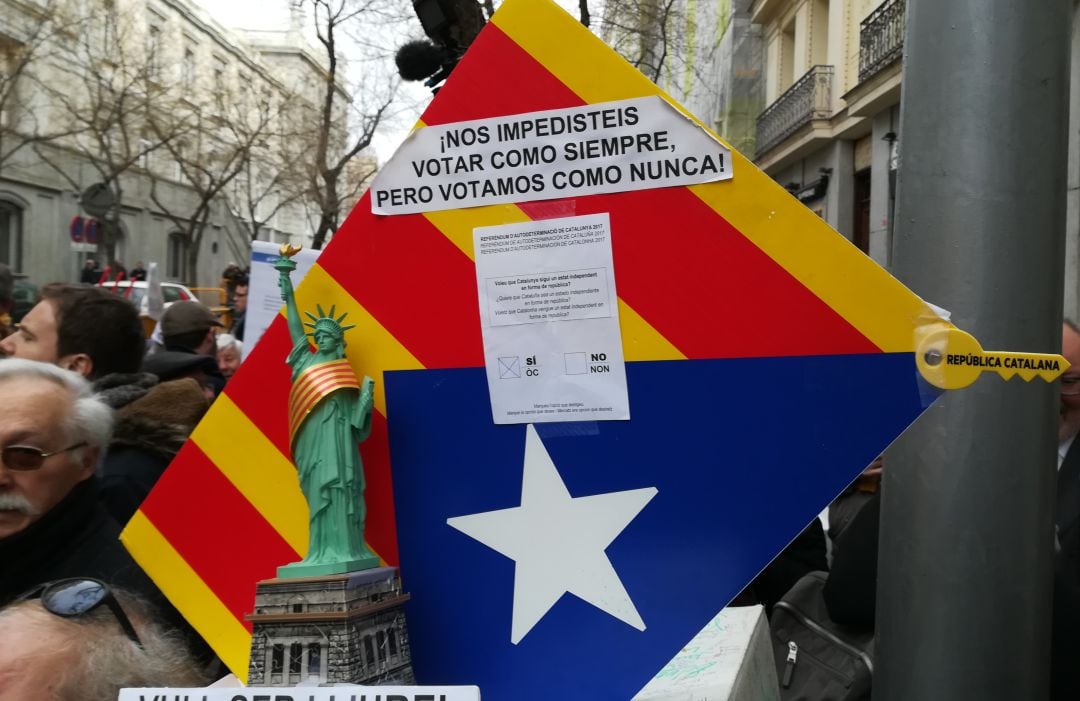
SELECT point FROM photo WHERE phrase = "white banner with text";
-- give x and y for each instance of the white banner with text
(636, 144)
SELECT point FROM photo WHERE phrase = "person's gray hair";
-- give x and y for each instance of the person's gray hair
(104, 659)
(227, 340)
(91, 420)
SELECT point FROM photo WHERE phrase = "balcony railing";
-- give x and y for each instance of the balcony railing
(808, 99)
(881, 38)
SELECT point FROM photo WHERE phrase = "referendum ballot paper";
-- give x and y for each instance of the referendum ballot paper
(550, 320)
(264, 295)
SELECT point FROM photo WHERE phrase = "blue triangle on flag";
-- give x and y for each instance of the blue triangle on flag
(743, 454)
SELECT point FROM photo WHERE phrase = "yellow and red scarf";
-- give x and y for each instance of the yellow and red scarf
(313, 385)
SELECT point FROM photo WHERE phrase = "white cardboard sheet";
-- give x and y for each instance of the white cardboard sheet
(637, 144)
(264, 295)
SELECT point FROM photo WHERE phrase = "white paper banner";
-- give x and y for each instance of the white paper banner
(550, 320)
(636, 144)
(335, 693)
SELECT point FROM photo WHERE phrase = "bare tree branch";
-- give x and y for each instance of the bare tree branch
(346, 127)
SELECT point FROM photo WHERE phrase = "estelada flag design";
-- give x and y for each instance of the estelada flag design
(768, 362)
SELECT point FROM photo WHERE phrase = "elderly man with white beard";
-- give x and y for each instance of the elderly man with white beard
(52, 433)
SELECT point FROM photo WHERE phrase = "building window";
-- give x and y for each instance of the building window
(391, 638)
(314, 660)
(296, 655)
(11, 233)
(819, 34)
(219, 80)
(189, 67)
(277, 659)
(787, 58)
(177, 256)
(380, 643)
(369, 650)
(153, 49)
(179, 153)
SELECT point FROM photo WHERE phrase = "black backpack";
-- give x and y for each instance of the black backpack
(816, 659)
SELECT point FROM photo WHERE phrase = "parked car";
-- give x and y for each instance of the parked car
(136, 292)
(25, 294)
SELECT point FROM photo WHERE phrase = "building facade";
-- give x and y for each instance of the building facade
(706, 55)
(192, 129)
(829, 131)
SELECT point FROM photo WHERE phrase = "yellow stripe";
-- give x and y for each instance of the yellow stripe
(641, 341)
(845, 279)
(188, 593)
(310, 387)
(371, 348)
(856, 287)
(458, 224)
(257, 468)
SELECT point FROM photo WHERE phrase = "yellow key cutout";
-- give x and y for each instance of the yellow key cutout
(951, 359)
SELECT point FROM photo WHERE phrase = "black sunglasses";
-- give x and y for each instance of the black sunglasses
(74, 597)
(26, 457)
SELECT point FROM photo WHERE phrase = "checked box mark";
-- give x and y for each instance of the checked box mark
(509, 367)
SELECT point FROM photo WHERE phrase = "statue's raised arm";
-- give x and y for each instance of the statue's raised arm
(329, 415)
(285, 265)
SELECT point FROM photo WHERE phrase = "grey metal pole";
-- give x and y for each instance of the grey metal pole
(965, 562)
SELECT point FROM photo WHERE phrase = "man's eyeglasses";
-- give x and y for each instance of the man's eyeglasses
(1070, 385)
(69, 598)
(25, 457)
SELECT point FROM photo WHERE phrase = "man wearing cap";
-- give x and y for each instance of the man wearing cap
(188, 329)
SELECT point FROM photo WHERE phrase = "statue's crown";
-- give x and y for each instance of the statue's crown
(326, 322)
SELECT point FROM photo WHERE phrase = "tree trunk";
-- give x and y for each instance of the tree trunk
(326, 226)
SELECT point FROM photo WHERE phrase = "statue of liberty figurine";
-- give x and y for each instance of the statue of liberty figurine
(329, 415)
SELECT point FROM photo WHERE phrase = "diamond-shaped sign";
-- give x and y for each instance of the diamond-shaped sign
(767, 362)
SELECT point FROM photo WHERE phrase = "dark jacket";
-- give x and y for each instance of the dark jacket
(175, 362)
(851, 591)
(76, 538)
(805, 554)
(153, 420)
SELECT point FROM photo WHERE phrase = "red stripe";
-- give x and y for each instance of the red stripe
(497, 78)
(672, 281)
(216, 530)
(397, 267)
(260, 388)
(414, 281)
(380, 530)
(706, 288)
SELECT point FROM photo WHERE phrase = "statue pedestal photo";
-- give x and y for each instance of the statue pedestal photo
(334, 629)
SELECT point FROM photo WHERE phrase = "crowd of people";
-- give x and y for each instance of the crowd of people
(101, 412)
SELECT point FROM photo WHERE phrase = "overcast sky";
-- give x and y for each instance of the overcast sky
(274, 15)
